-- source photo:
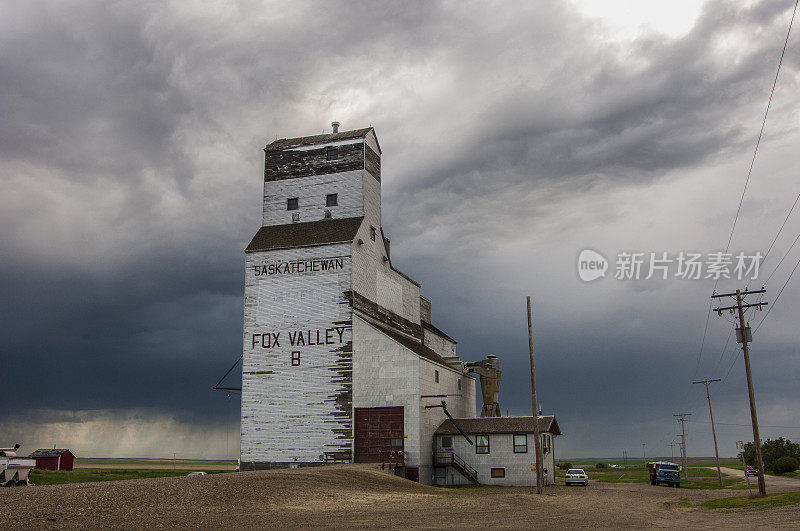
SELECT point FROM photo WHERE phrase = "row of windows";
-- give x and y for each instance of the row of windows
(520, 441)
(331, 200)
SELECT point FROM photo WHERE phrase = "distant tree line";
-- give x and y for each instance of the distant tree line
(779, 455)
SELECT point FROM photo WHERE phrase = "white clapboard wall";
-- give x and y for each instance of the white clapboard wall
(295, 413)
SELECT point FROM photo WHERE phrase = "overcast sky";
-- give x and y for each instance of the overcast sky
(514, 135)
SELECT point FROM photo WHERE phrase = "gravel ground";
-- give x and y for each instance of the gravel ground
(361, 496)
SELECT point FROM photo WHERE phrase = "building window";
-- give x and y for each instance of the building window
(333, 154)
(459, 384)
(292, 203)
(372, 233)
(521, 444)
(447, 442)
(482, 444)
(440, 472)
(498, 472)
(436, 376)
(295, 359)
(331, 200)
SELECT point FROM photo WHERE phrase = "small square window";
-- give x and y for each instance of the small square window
(521, 444)
(331, 200)
(440, 472)
(482, 444)
(372, 233)
(436, 376)
(295, 359)
(498, 472)
(292, 203)
(447, 442)
(333, 154)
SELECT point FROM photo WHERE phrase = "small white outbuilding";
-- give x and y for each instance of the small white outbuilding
(502, 451)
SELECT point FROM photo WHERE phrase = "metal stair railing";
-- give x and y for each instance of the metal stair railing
(450, 458)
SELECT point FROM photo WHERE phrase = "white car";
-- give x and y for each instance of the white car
(576, 476)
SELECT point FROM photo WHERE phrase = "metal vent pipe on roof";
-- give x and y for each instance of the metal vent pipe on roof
(335, 126)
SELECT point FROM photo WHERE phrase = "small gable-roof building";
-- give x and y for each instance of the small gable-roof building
(53, 459)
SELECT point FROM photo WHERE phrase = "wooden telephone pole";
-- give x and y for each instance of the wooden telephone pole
(744, 337)
(713, 431)
(681, 417)
(537, 443)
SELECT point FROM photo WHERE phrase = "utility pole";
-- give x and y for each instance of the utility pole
(537, 442)
(680, 448)
(713, 430)
(643, 454)
(672, 449)
(743, 336)
(681, 417)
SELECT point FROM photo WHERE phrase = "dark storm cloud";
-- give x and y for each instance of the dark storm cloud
(602, 112)
(131, 164)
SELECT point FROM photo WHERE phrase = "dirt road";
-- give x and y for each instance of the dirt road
(773, 483)
(363, 497)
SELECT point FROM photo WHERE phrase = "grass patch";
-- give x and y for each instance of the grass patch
(87, 475)
(712, 483)
(754, 504)
(703, 473)
(726, 462)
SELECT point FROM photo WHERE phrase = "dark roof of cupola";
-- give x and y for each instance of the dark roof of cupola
(320, 232)
(284, 143)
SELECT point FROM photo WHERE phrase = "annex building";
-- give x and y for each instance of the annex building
(340, 355)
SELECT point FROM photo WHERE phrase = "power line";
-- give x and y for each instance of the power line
(733, 363)
(722, 352)
(761, 133)
(749, 173)
(778, 296)
(782, 258)
(781, 228)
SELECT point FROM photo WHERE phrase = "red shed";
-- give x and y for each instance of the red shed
(55, 459)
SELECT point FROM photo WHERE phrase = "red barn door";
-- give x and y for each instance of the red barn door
(377, 429)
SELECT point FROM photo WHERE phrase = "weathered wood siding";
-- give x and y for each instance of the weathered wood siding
(372, 162)
(295, 413)
(291, 163)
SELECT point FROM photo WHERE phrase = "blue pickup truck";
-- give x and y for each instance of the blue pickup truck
(664, 472)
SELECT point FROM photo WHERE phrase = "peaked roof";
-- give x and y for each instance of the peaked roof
(284, 143)
(50, 452)
(417, 348)
(429, 326)
(488, 425)
(300, 234)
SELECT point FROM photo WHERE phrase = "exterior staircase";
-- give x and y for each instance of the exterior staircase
(451, 459)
